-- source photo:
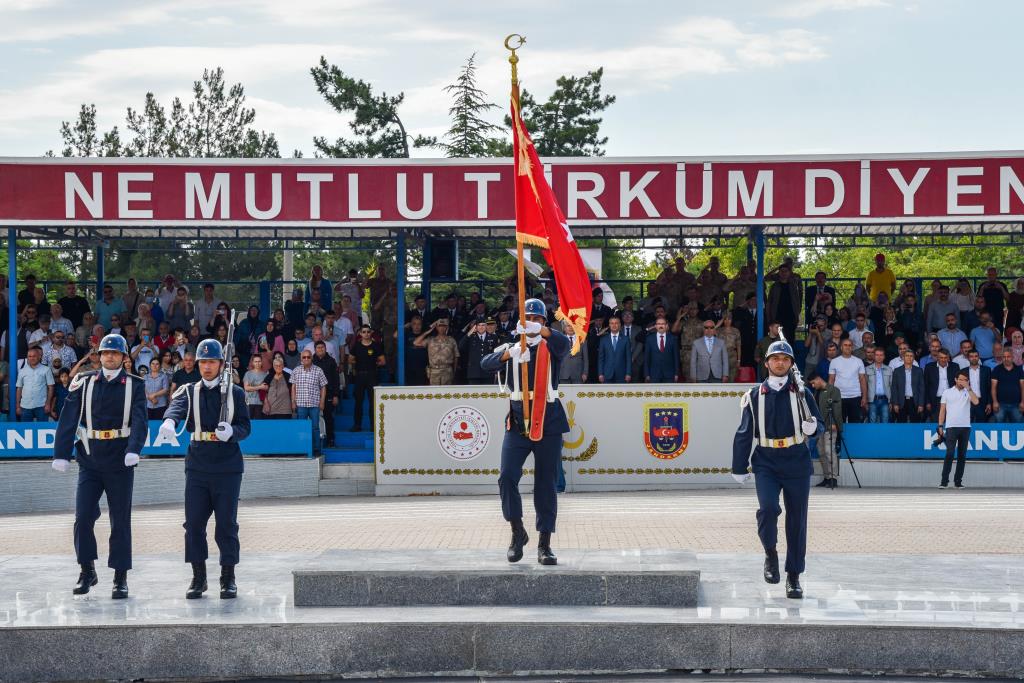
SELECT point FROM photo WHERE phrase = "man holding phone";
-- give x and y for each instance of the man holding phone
(144, 351)
(955, 426)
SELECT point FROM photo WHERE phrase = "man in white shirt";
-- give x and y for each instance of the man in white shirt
(857, 333)
(955, 426)
(897, 362)
(339, 329)
(846, 372)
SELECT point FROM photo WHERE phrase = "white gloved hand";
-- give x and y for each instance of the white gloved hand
(741, 478)
(531, 328)
(131, 459)
(167, 429)
(224, 431)
(810, 426)
(60, 464)
(516, 353)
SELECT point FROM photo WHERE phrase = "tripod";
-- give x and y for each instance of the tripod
(841, 442)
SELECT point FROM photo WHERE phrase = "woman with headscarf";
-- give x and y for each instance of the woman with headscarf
(291, 354)
(247, 336)
(1017, 346)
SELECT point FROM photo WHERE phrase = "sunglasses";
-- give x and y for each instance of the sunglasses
(709, 327)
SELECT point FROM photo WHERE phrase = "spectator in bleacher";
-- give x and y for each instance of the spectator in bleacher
(323, 360)
(247, 335)
(115, 323)
(997, 356)
(962, 295)
(763, 344)
(909, 288)
(316, 307)
(301, 341)
(158, 387)
(635, 334)
(61, 388)
(42, 304)
(661, 355)
(909, 321)
(744, 318)
(309, 394)
(167, 292)
(58, 348)
(416, 355)
(59, 322)
(931, 297)
(907, 389)
(881, 279)
(129, 330)
(28, 295)
(951, 336)
(188, 373)
(204, 309)
(278, 403)
(938, 377)
(980, 381)
(995, 294)
(744, 282)
(866, 352)
(939, 309)
(598, 309)
(858, 301)
(1015, 305)
(291, 353)
(145, 351)
(1017, 346)
(687, 328)
(817, 296)
(442, 352)
(1007, 390)
(971, 318)
(574, 369)
(34, 389)
(83, 331)
(163, 339)
(255, 385)
(354, 287)
(730, 336)
(879, 380)
(180, 344)
(709, 362)
(614, 355)
(108, 305)
(846, 372)
(131, 299)
(73, 304)
(180, 311)
(846, 319)
(711, 282)
(340, 329)
(331, 345)
(146, 322)
(961, 360)
(89, 362)
(783, 302)
(318, 283)
(295, 308)
(934, 347)
(860, 326)
(473, 348)
(168, 366)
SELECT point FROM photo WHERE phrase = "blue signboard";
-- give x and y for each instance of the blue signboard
(914, 441)
(268, 437)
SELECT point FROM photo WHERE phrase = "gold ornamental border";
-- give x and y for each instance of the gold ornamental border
(659, 394)
(443, 471)
(653, 470)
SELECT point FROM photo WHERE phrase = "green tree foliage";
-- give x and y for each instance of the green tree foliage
(83, 139)
(378, 129)
(470, 134)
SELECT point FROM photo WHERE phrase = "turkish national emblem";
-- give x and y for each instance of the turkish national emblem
(666, 429)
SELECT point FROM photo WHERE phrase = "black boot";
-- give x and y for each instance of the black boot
(120, 591)
(228, 589)
(832, 483)
(771, 567)
(793, 589)
(198, 585)
(86, 580)
(824, 482)
(544, 554)
(519, 539)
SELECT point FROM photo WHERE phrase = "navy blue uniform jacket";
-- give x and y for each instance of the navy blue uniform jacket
(558, 348)
(778, 419)
(214, 457)
(107, 413)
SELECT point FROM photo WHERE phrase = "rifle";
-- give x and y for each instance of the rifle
(798, 380)
(225, 373)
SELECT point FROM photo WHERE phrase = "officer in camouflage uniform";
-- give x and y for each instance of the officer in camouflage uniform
(688, 328)
(442, 354)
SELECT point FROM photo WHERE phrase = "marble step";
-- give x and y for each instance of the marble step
(667, 578)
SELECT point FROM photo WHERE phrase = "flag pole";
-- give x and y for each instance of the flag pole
(524, 383)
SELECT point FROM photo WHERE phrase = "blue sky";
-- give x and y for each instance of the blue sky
(692, 78)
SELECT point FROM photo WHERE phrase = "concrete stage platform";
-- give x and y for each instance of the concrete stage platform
(351, 578)
(889, 614)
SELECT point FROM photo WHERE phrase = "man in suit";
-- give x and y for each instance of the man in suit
(709, 361)
(598, 308)
(614, 355)
(980, 381)
(574, 368)
(744, 318)
(908, 398)
(661, 359)
(938, 377)
(817, 295)
(635, 334)
(474, 347)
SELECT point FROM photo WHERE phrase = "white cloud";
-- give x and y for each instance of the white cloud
(808, 8)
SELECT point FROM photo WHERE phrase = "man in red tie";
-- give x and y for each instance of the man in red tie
(661, 354)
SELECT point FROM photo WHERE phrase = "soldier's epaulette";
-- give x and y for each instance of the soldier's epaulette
(745, 399)
(78, 380)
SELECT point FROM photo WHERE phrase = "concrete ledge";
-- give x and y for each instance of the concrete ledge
(32, 486)
(926, 473)
(456, 646)
(459, 577)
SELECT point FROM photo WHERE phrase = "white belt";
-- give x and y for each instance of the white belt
(107, 434)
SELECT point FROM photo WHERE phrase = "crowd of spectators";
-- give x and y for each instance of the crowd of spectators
(889, 349)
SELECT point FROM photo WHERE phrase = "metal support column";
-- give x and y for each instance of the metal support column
(400, 295)
(425, 287)
(100, 272)
(265, 311)
(759, 240)
(12, 319)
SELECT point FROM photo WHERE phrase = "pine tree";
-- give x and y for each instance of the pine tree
(470, 134)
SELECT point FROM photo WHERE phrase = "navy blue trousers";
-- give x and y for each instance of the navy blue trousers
(211, 494)
(547, 454)
(787, 471)
(92, 484)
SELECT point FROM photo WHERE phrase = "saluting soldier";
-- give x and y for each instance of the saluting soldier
(105, 412)
(777, 417)
(688, 327)
(546, 349)
(474, 346)
(442, 353)
(213, 466)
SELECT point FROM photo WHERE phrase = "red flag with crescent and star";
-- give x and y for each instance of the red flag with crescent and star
(541, 223)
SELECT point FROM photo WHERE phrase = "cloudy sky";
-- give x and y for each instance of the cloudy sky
(691, 77)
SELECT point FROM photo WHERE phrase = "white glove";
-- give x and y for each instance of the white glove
(741, 478)
(224, 431)
(131, 459)
(60, 464)
(167, 429)
(516, 353)
(531, 328)
(810, 425)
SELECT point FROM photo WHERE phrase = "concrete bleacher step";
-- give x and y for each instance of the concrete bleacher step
(347, 479)
(474, 578)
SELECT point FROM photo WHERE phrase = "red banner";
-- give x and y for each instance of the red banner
(951, 188)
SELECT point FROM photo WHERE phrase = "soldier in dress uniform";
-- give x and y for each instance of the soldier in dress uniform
(105, 412)
(777, 417)
(474, 346)
(546, 349)
(213, 466)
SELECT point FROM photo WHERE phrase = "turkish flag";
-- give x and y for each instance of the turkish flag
(541, 223)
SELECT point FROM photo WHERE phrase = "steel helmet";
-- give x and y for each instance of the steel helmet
(536, 307)
(114, 342)
(209, 349)
(780, 347)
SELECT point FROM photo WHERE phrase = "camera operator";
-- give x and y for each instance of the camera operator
(830, 404)
(955, 426)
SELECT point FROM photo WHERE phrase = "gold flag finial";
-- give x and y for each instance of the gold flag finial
(513, 58)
